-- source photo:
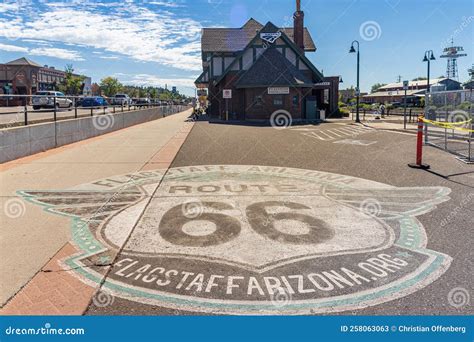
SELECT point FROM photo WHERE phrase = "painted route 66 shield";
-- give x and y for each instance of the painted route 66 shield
(250, 239)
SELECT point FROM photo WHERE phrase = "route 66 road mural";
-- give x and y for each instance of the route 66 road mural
(250, 239)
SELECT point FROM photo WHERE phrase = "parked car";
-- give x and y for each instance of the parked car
(94, 101)
(51, 99)
(144, 101)
(121, 99)
(78, 101)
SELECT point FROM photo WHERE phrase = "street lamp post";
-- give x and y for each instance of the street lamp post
(429, 56)
(352, 50)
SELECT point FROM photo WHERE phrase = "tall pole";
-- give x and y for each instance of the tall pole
(352, 50)
(405, 110)
(358, 88)
(429, 56)
(428, 78)
(426, 96)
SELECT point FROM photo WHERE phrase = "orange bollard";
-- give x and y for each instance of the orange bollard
(419, 147)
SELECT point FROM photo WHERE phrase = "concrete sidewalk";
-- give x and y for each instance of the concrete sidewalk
(31, 237)
(394, 125)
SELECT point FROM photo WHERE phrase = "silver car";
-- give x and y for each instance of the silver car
(51, 99)
(121, 99)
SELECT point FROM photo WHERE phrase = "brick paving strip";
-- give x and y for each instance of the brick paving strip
(55, 290)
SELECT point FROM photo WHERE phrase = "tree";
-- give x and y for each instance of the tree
(376, 86)
(110, 86)
(419, 79)
(165, 96)
(153, 93)
(72, 84)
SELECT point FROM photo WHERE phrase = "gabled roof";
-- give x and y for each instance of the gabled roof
(395, 93)
(272, 68)
(200, 79)
(236, 39)
(418, 83)
(307, 39)
(24, 61)
(269, 27)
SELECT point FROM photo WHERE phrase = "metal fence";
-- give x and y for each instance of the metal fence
(19, 110)
(454, 111)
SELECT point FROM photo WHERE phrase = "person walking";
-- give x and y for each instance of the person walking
(382, 110)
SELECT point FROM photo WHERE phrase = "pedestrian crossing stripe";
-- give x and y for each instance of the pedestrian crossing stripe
(334, 133)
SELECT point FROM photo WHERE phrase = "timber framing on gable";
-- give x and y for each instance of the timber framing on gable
(270, 27)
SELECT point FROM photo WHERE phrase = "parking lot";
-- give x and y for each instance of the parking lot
(15, 116)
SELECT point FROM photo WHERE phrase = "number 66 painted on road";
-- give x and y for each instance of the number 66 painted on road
(228, 227)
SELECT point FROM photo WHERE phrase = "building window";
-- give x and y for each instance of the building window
(278, 100)
(296, 100)
(258, 101)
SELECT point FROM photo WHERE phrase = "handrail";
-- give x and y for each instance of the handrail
(13, 106)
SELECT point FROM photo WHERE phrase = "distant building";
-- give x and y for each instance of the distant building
(256, 70)
(87, 90)
(470, 84)
(394, 92)
(346, 94)
(25, 77)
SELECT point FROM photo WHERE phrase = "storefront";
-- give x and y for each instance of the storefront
(258, 69)
(25, 77)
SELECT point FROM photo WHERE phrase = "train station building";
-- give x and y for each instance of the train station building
(255, 70)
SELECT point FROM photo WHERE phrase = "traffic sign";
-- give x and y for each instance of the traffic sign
(227, 93)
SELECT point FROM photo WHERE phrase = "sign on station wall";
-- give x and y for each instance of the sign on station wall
(278, 90)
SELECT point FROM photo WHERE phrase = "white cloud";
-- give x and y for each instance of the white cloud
(8, 7)
(128, 29)
(57, 53)
(165, 3)
(154, 80)
(44, 51)
(37, 42)
(12, 48)
(109, 57)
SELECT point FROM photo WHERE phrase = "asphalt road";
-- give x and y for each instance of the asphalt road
(378, 238)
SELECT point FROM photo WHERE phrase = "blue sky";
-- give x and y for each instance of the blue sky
(157, 42)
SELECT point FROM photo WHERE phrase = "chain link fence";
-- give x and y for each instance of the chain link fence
(454, 110)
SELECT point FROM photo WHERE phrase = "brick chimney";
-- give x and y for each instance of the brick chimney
(298, 26)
